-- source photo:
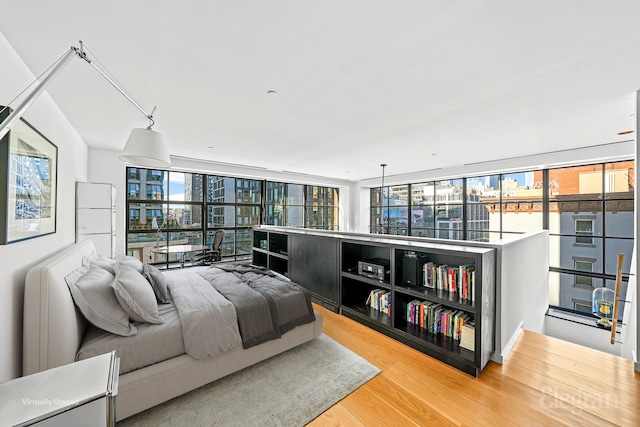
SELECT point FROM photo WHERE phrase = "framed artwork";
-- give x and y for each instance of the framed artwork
(28, 183)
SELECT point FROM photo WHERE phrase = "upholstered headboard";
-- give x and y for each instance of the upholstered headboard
(52, 327)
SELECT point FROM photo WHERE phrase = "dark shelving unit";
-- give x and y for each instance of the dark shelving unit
(328, 265)
(406, 285)
(270, 250)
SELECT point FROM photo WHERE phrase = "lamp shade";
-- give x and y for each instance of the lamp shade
(146, 147)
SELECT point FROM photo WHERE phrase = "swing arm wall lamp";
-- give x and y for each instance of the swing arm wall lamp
(145, 147)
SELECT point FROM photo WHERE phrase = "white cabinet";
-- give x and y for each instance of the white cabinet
(78, 394)
(96, 216)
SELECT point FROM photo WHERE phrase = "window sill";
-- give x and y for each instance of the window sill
(572, 317)
(580, 286)
(584, 245)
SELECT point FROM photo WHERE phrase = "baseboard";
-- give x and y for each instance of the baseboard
(502, 356)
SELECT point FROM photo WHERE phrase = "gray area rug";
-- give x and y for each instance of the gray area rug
(289, 389)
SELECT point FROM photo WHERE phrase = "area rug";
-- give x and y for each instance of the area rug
(290, 389)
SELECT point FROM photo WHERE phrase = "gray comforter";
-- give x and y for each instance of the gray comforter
(266, 305)
(208, 319)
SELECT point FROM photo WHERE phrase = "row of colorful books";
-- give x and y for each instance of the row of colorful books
(380, 299)
(436, 318)
(455, 279)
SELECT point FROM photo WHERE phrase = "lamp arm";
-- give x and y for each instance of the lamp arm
(119, 89)
(15, 115)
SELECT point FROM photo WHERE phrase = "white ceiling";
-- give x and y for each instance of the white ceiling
(416, 84)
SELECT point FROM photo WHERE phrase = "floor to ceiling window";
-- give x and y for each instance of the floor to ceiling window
(285, 204)
(176, 208)
(297, 205)
(588, 210)
(163, 207)
(321, 205)
(591, 214)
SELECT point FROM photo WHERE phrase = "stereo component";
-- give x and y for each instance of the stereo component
(375, 268)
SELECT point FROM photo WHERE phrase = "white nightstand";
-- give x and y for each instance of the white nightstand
(78, 394)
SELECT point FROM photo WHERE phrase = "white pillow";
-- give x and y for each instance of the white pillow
(158, 283)
(135, 295)
(92, 292)
(104, 262)
(131, 262)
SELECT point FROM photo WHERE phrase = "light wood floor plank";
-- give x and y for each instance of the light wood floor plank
(373, 410)
(416, 408)
(592, 382)
(544, 381)
(589, 362)
(503, 380)
(336, 416)
(561, 398)
(471, 401)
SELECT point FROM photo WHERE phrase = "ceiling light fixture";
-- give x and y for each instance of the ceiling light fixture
(145, 147)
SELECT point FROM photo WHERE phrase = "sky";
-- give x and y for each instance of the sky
(176, 186)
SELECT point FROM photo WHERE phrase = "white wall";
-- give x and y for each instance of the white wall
(522, 288)
(17, 258)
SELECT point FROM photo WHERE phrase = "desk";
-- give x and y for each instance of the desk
(78, 394)
(183, 250)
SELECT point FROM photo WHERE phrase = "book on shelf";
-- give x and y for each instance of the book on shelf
(380, 300)
(467, 337)
(413, 312)
(441, 277)
(465, 280)
(429, 275)
(436, 318)
(473, 281)
(461, 319)
(431, 318)
(458, 280)
(453, 279)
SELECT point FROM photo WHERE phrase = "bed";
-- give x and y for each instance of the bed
(57, 333)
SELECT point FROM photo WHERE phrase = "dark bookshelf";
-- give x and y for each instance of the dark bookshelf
(259, 258)
(270, 250)
(279, 265)
(260, 239)
(314, 266)
(278, 244)
(406, 284)
(328, 262)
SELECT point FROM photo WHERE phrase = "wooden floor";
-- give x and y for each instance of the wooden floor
(544, 382)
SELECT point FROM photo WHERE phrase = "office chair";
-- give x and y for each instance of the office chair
(212, 255)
